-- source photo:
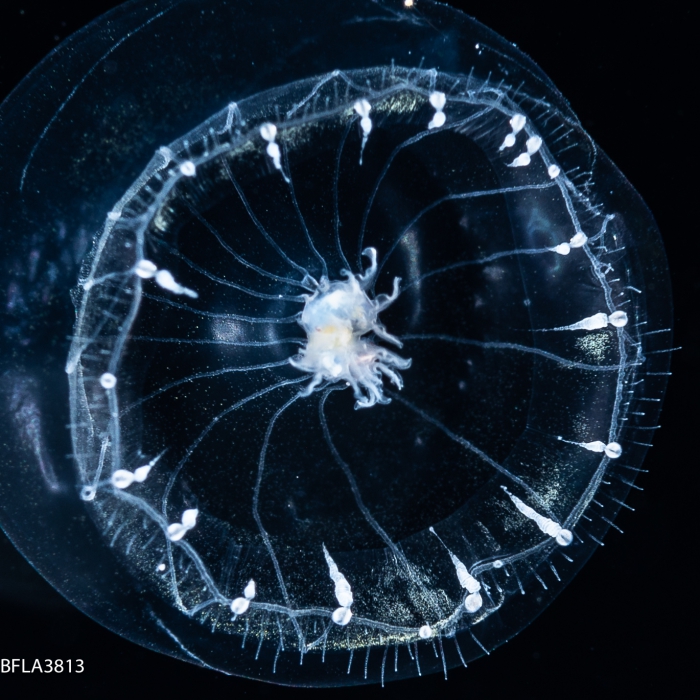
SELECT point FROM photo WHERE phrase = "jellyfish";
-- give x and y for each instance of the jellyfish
(362, 357)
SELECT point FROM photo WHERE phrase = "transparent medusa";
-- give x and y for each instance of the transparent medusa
(363, 352)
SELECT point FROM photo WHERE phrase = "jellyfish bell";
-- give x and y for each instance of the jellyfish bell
(209, 247)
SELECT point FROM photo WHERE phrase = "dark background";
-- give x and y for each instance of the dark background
(627, 622)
